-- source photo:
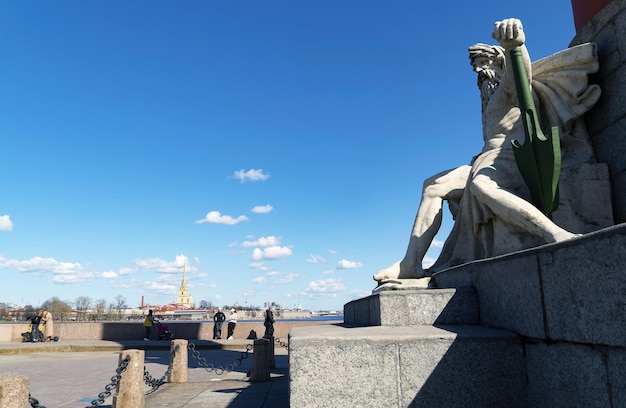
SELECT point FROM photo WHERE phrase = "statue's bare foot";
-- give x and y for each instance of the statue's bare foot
(399, 270)
(564, 236)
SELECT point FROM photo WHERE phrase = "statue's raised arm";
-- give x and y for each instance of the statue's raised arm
(510, 34)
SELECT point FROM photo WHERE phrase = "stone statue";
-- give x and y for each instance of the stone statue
(489, 200)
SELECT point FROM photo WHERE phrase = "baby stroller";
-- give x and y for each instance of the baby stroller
(164, 332)
(33, 333)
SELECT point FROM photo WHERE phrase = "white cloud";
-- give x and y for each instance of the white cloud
(127, 271)
(314, 259)
(162, 288)
(251, 175)
(271, 253)
(215, 217)
(273, 273)
(427, 262)
(262, 209)
(332, 252)
(290, 277)
(109, 275)
(257, 265)
(436, 243)
(67, 279)
(326, 286)
(39, 264)
(345, 264)
(360, 293)
(328, 272)
(5, 223)
(160, 265)
(262, 242)
(260, 279)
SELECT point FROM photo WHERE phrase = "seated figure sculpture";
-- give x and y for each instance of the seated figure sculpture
(489, 199)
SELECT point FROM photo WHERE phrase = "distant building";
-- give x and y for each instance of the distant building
(184, 297)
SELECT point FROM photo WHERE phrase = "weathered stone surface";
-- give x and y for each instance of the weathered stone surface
(510, 295)
(14, 390)
(179, 372)
(405, 366)
(616, 361)
(578, 296)
(129, 392)
(261, 361)
(565, 376)
(583, 289)
(607, 120)
(414, 307)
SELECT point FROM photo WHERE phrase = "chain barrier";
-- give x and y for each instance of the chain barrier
(34, 403)
(282, 343)
(219, 370)
(114, 381)
(153, 382)
(156, 383)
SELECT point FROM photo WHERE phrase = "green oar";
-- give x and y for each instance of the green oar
(539, 157)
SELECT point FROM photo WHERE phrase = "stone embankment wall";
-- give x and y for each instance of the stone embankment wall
(566, 302)
(115, 331)
(607, 120)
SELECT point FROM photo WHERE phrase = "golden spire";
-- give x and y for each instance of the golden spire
(184, 270)
(184, 298)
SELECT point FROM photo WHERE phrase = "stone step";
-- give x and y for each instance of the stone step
(414, 307)
(417, 366)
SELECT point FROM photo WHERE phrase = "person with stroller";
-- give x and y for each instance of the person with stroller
(232, 322)
(148, 323)
(219, 317)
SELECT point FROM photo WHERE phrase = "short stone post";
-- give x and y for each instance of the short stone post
(129, 392)
(179, 372)
(14, 390)
(260, 361)
(272, 357)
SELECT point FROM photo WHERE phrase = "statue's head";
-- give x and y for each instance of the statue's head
(489, 63)
(484, 56)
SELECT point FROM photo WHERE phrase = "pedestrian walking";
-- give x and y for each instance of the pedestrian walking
(148, 323)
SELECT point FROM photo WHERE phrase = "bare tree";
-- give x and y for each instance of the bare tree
(205, 304)
(111, 312)
(59, 308)
(120, 305)
(83, 304)
(100, 309)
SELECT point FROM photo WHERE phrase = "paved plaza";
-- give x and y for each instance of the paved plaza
(68, 376)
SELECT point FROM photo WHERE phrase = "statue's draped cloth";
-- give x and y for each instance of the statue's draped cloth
(562, 94)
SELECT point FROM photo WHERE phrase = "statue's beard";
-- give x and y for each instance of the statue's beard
(488, 81)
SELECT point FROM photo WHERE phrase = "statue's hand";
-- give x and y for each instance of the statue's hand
(509, 33)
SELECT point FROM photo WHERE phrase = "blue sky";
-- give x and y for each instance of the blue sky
(279, 146)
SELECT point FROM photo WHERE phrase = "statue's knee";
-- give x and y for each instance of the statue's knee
(479, 186)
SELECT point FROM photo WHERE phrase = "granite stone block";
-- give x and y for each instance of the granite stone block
(414, 307)
(584, 286)
(415, 366)
(565, 376)
(511, 296)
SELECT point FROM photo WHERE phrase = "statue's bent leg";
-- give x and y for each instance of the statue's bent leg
(516, 210)
(447, 185)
